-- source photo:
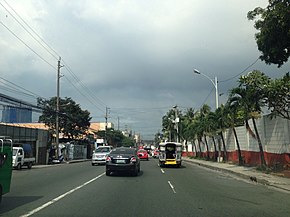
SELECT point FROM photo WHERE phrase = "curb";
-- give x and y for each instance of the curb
(244, 176)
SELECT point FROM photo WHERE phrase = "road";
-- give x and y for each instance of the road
(84, 190)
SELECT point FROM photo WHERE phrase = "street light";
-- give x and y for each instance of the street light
(215, 84)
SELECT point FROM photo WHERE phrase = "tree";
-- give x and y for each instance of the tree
(73, 121)
(114, 138)
(203, 123)
(234, 119)
(250, 96)
(211, 127)
(168, 125)
(273, 38)
(278, 97)
(186, 124)
(157, 138)
(221, 120)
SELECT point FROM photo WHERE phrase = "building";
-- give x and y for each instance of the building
(12, 114)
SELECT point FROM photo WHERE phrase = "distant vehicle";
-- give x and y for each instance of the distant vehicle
(148, 149)
(123, 160)
(100, 154)
(5, 166)
(156, 153)
(170, 154)
(143, 154)
(22, 156)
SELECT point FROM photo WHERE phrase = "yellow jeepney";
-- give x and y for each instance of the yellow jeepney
(170, 154)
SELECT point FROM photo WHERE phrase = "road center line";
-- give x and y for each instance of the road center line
(172, 187)
(60, 197)
(162, 171)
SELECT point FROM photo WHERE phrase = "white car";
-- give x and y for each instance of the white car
(100, 154)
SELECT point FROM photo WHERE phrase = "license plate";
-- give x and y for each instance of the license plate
(120, 161)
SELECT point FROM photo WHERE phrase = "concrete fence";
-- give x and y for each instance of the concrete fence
(275, 138)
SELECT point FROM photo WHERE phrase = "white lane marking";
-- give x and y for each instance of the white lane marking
(172, 187)
(60, 197)
(162, 171)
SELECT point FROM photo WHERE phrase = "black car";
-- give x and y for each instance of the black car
(123, 159)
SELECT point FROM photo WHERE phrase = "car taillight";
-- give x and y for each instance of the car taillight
(108, 159)
(133, 160)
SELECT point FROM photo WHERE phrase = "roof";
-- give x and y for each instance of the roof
(28, 125)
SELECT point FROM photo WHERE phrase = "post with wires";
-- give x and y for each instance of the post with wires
(176, 121)
(57, 110)
(106, 124)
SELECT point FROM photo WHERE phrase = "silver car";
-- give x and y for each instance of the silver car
(100, 154)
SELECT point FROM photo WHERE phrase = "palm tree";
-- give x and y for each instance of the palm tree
(203, 123)
(168, 125)
(211, 130)
(193, 131)
(186, 126)
(221, 120)
(233, 120)
(250, 97)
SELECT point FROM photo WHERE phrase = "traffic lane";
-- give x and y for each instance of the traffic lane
(148, 194)
(31, 188)
(214, 193)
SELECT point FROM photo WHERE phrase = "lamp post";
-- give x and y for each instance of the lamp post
(215, 84)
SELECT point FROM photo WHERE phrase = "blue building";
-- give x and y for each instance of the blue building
(12, 114)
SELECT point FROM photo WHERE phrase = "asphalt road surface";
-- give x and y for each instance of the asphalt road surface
(84, 190)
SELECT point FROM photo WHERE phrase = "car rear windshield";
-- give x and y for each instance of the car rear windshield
(100, 150)
(142, 151)
(123, 151)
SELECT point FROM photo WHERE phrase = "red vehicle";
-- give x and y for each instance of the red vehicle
(156, 153)
(143, 154)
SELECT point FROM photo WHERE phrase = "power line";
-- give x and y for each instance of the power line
(51, 53)
(81, 83)
(242, 71)
(27, 46)
(29, 93)
(54, 56)
(83, 94)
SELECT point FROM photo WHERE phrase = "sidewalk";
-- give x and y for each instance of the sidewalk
(248, 173)
(62, 163)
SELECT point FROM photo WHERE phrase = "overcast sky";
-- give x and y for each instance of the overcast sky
(134, 57)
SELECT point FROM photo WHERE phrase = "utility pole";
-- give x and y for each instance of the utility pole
(106, 124)
(118, 123)
(176, 121)
(57, 109)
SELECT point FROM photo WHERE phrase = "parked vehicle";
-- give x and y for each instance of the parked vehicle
(143, 154)
(156, 153)
(100, 154)
(123, 160)
(170, 154)
(5, 166)
(22, 156)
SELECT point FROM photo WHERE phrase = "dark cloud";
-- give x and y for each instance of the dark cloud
(135, 57)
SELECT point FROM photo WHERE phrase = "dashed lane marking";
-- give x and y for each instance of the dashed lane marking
(172, 187)
(60, 197)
